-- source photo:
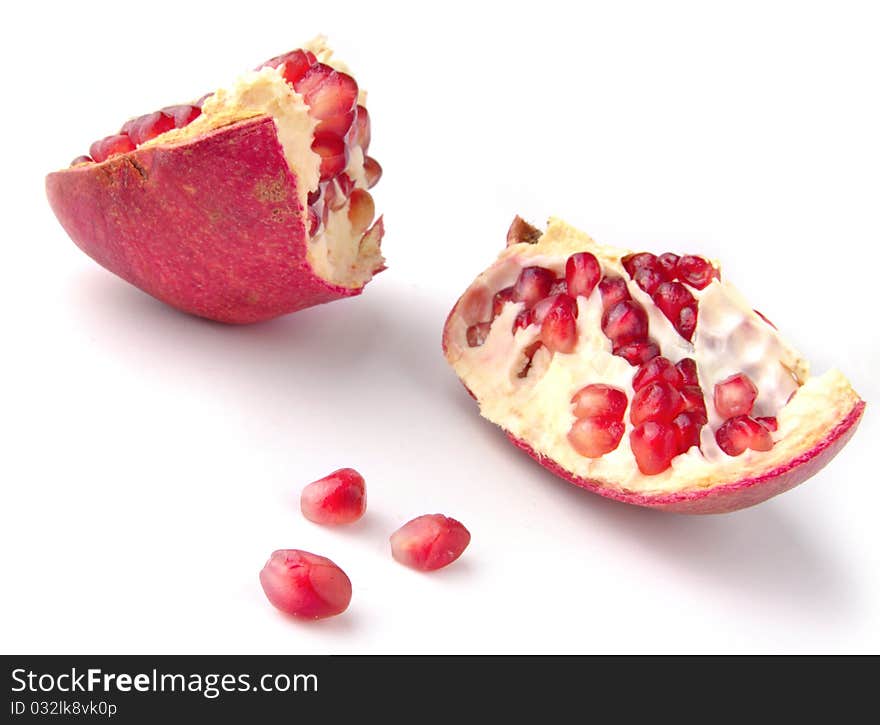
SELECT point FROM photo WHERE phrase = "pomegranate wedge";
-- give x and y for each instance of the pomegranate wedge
(247, 204)
(663, 388)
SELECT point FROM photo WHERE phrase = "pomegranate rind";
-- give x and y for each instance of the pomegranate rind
(212, 225)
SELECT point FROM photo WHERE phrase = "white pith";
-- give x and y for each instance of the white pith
(729, 338)
(338, 253)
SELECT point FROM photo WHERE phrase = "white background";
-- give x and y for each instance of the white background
(151, 461)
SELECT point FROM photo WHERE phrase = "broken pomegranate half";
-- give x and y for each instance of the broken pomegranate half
(644, 378)
(247, 204)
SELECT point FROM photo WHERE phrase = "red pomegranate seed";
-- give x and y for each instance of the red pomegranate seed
(625, 322)
(632, 262)
(657, 370)
(693, 402)
(560, 287)
(735, 396)
(688, 369)
(582, 274)
(769, 423)
(613, 290)
(649, 278)
(333, 153)
(314, 222)
(315, 195)
(687, 322)
(559, 326)
(594, 437)
(336, 125)
(429, 542)
(477, 334)
(742, 432)
(695, 271)
(372, 171)
(361, 210)
(658, 402)
(599, 400)
(183, 115)
(295, 63)
(533, 284)
(687, 431)
(540, 310)
(144, 128)
(119, 143)
(305, 585)
(501, 298)
(667, 262)
(654, 445)
(678, 305)
(327, 92)
(529, 353)
(338, 498)
(523, 320)
(81, 160)
(361, 129)
(636, 353)
(345, 184)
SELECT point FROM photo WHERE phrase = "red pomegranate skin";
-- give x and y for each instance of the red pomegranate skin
(212, 226)
(732, 496)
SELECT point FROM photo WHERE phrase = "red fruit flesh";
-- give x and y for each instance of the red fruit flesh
(338, 498)
(735, 396)
(429, 542)
(532, 285)
(305, 585)
(662, 395)
(582, 273)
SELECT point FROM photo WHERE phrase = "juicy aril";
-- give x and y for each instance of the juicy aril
(644, 378)
(245, 205)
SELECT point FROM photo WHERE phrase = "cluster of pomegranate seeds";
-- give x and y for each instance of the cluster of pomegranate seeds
(342, 126)
(734, 398)
(429, 542)
(599, 426)
(668, 412)
(139, 130)
(662, 277)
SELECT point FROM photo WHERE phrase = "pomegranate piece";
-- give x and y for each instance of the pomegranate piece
(636, 353)
(625, 322)
(305, 585)
(372, 171)
(688, 369)
(654, 445)
(657, 369)
(429, 542)
(695, 271)
(119, 143)
(582, 273)
(595, 436)
(658, 402)
(735, 396)
(613, 290)
(532, 285)
(599, 400)
(743, 432)
(338, 498)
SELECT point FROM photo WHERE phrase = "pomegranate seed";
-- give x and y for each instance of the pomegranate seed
(687, 322)
(613, 290)
(695, 271)
(735, 396)
(540, 310)
(667, 262)
(144, 128)
(477, 334)
(687, 431)
(529, 353)
(632, 262)
(327, 92)
(636, 353)
(314, 196)
(336, 125)
(742, 432)
(658, 402)
(81, 160)
(654, 445)
(594, 437)
(183, 115)
(305, 585)
(649, 278)
(295, 63)
(693, 402)
(333, 197)
(769, 423)
(582, 274)
(678, 305)
(625, 322)
(361, 210)
(314, 222)
(559, 326)
(372, 171)
(599, 400)
(361, 129)
(559, 287)
(338, 498)
(429, 542)
(658, 369)
(119, 143)
(333, 153)
(688, 369)
(533, 284)
(523, 320)
(501, 298)
(345, 184)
